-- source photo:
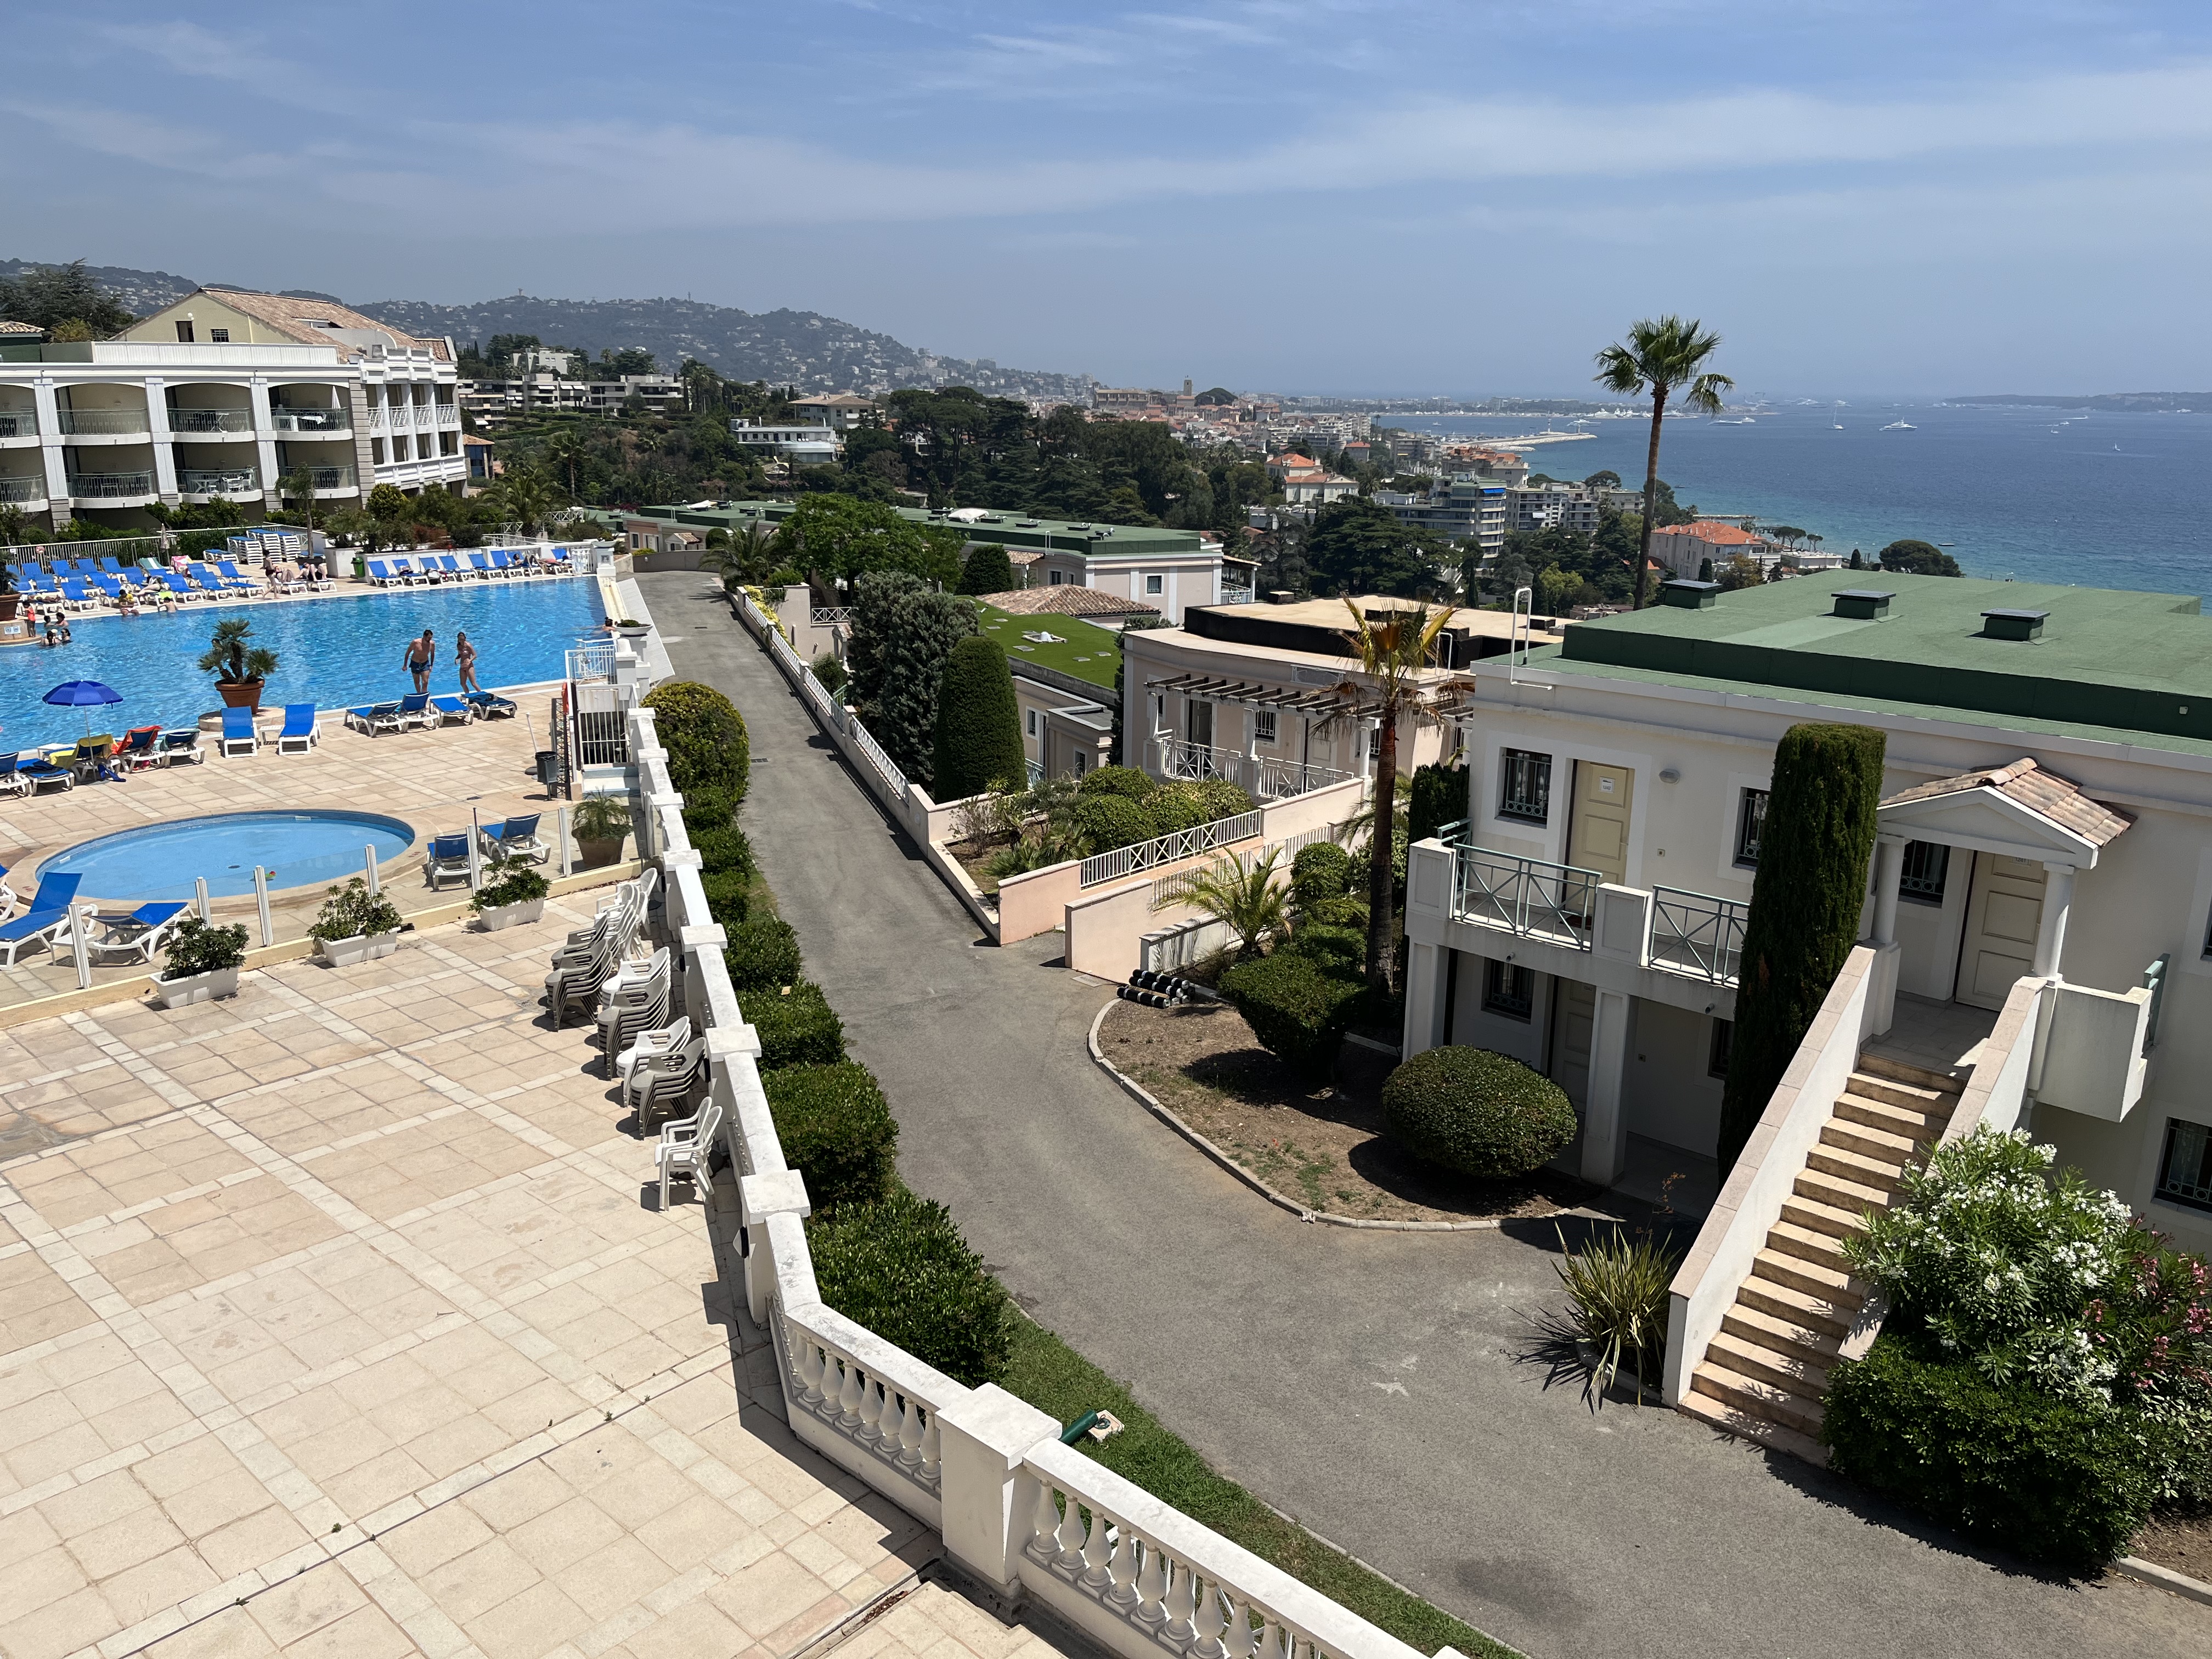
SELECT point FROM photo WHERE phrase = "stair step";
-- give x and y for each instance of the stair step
(1757, 1399)
(1842, 1192)
(1905, 1085)
(1819, 1249)
(1870, 1141)
(1810, 1310)
(1742, 1425)
(1814, 1216)
(1799, 1373)
(1785, 1336)
(1831, 1284)
(1877, 1173)
(1906, 1121)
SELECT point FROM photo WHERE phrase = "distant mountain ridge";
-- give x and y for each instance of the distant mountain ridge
(2177, 402)
(786, 348)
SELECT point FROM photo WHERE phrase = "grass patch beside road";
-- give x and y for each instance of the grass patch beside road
(1057, 1380)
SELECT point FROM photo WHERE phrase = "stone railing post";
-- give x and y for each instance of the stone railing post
(697, 939)
(773, 1193)
(983, 1440)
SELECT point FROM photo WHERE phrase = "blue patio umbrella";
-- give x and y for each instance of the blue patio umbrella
(86, 695)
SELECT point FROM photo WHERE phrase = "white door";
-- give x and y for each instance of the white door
(2004, 912)
(1574, 1012)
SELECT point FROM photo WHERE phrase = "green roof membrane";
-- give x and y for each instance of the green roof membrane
(1077, 647)
(2126, 662)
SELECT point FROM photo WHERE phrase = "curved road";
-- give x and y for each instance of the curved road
(1378, 1386)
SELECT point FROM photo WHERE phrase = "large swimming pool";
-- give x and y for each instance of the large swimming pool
(334, 652)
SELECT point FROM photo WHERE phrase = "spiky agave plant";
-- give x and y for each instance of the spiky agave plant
(1619, 1289)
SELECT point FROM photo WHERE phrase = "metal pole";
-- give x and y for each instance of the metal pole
(476, 853)
(199, 885)
(79, 923)
(560, 826)
(375, 882)
(261, 904)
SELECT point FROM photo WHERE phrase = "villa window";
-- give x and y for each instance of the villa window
(1057, 578)
(184, 334)
(1525, 789)
(1509, 989)
(2185, 1173)
(1723, 1044)
(1263, 726)
(1079, 758)
(1198, 723)
(1032, 715)
(219, 336)
(1921, 879)
(1750, 825)
(1153, 584)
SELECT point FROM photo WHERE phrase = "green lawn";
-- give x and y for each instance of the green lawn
(1081, 649)
(1057, 1380)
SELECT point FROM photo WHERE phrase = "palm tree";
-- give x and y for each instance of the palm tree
(1662, 358)
(1391, 652)
(570, 451)
(1245, 898)
(742, 555)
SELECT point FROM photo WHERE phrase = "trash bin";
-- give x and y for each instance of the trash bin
(548, 767)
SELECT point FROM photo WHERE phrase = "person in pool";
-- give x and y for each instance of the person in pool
(421, 656)
(464, 659)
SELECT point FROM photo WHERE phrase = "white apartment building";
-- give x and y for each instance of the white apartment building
(552, 393)
(1552, 507)
(222, 394)
(1467, 511)
(808, 444)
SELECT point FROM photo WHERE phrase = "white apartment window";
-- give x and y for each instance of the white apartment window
(1153, 584)
(1750, 825)
(1921, 878)
(1375, 743)
(2185, 1173)
(1509, 989)
(219, 336)
(1033, 722)
(1057, 578)
(1525, 786)
(1263, 726)
(184, 334)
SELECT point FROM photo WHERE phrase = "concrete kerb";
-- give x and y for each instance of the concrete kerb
(2164, 1578)
(1150, 1103)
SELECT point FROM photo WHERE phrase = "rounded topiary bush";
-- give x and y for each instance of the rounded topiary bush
(706, 811)
(705, 738)
(1217, 798)
(1106, 822)
(1339, 950)
(1174, 806)
(1128, 781)
(763, 954)
(979, 726)
(1478, 1112)
(1297, 1010)
(836, 1130)
(724, 850)
(729, 896)
(797, 1026)
(1318, 874)
(899, 1267)
(988, 570)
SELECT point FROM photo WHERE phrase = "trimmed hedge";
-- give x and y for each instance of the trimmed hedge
(2060, 1484)
(763, 954)
(837, 1129)
(1339, 950)
(1106, 822)
(706, 811)
(1478, 1112)
(1318, 874)
(1298, 1012)
(725, 850)
(705, 738)
(729, 896)
(1128, 781)
(796, 1027)
(979, 726)
(988, 570)
(900, 1267)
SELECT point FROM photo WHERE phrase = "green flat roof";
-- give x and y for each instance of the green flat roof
(2118, 666)
(1082, 649)
(1020, 531)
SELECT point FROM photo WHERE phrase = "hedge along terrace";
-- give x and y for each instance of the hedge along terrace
(896, 1263)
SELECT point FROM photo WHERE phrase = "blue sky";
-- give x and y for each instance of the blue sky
(1396, 197)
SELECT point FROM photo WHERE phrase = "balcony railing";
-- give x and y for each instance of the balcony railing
(330, 478)
(1264, 777)
(1697, 934)
(25, 487)
(311, 420)
(1532, 897)
(185, 422)
(445, 413)
(101, 422)
(229, 481)
(105, 486)
(18, 424)
(1166, 849)
(828, 615)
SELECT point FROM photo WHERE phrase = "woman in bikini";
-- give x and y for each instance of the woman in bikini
(464, 659)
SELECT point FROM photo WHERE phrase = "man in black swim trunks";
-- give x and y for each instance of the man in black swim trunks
(420, 655)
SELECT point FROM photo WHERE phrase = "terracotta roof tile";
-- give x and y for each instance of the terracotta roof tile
(2025, 783)
(1068, 600)
(290, 316)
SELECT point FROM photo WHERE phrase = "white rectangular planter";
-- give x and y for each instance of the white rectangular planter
(496, 916)
(361, 947)
(195, 987)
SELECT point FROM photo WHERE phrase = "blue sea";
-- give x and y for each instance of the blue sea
(335, 653)
(2036, 495)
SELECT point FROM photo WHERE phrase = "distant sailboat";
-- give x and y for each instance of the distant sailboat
(1900, 426)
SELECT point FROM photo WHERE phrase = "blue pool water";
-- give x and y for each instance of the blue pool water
(335, 651)
(298, 849)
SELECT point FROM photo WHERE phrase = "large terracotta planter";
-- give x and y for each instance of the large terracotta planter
(245, 694)
(596, 854)
(10, 601)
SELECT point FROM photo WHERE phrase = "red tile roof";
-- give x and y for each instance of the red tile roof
(1067, 599)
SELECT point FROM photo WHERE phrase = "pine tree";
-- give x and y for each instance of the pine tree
(1805, 904)
(979, 728)
(902, 634)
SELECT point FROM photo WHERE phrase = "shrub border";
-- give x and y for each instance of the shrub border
(1144, 1097)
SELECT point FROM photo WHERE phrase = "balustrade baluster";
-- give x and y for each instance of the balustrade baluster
(849, 1396)
(1071, 1536)
(1151, 1586)
(874, 1402)
(1209, 1624)
(929, 1458)
(1124, 1593)
(1181, 1602)
(1097, 1559)
(910, 1437)
(1272, 1636)
(1045, 1520)
(813, 1363)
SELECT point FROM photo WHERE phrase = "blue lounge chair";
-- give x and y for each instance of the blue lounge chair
(379, 573)
(7, 893)
(451, 567)
(210, 581)
(75, 595)
(414, 710)
(109, 565)
(237, 733)
(516, 838)
(301, 732)
(449, 856)
(490, 705)
(481, 566)
(43, 774)
(501, 562)
(137, 749)
(374, 717)
(451, 711)
(12, 779)
(181, 746)
(177, 585)
(136, 935)
(45, 920)
(110, 586)
(230, 572)
(42, 585)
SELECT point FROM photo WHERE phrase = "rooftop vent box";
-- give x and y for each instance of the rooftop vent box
(1862, 603)
(2013, 624)
(1689, 595)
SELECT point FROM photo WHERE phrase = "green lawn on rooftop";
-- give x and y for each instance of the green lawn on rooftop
(1081, 649)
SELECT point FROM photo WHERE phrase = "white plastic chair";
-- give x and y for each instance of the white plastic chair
(686, 1144)
(648, 1044)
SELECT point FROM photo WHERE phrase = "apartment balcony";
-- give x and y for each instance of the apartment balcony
(323, 422)
(1264, 777)
(446, 415)
(187, 421)
(19, 426)
(21, 489)
(205, 483)
(330, 481)
(126, 425)
(114, 488)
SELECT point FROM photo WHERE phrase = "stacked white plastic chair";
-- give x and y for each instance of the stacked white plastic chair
(595, 955)
(663, 1078)
(686, 1144)
(635, 999)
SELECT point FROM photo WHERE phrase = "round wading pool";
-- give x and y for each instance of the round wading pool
(163, 861)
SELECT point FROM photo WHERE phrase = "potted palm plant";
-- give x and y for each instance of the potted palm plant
(240, 670)
(201, 963)
(355, 925)
(515, 893)
(600, 823)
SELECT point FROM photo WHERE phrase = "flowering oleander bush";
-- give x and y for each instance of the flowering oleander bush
(2049, 1296)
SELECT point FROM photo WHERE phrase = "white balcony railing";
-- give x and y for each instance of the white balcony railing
(109, 486)
(828, 615)
(321, 478)
(19, 423)
(1264, 777)
(101, 422)
(186, 422)
(311, 420)
(1697, 934)
(22, 487)
(229, 481)
(1166, 849)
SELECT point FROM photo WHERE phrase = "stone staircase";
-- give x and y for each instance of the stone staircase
(1766, 1372)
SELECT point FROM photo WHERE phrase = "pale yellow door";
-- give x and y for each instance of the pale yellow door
(2004, 909)
(1574, 1011)
(1597, 834)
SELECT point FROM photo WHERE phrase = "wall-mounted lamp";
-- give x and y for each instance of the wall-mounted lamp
(1670, 775)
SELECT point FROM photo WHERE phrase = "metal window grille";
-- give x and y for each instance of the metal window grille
(1750, 825)
(1526, 792)
(2186, 1172)
(1921, 879)
(1263, 725)
(1509, 989)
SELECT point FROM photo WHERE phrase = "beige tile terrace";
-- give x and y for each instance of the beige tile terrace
(370, 1341)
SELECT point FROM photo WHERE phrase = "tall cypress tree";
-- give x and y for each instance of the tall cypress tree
(988, 571)
(979, 725)
(1805, 905)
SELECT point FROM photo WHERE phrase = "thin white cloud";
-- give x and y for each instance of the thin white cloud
(190, 49)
